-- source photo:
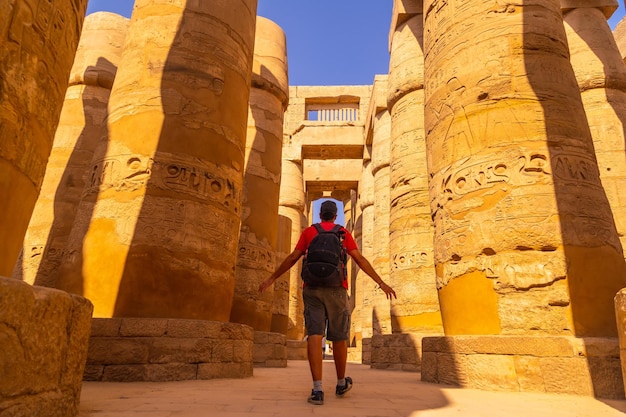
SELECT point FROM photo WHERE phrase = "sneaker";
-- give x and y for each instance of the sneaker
(340, 391)
(317, 397)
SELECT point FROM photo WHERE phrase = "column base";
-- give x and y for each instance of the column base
(144, 349)
(552, 364)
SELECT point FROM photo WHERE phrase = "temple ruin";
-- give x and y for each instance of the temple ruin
(156, 169)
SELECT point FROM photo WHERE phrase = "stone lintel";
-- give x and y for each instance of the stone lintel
(320, 189)
(332, 170)
(332, 152)
(608, 7)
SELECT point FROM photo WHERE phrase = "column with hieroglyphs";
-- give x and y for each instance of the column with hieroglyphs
(164, 198)
(280, 309)
(364, 297)
(38, 40)
(601, 76)
(80, 127)
(411, 231)
(381, 122)
(525, 243)
(259, 212)
(293, 206)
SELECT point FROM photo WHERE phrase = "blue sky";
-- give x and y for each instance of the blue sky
(329, 42)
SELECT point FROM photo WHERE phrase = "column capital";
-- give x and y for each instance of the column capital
(608, 7)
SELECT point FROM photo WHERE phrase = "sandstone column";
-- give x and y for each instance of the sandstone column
(165, 197)
(601, 77)
(381, 320)
(524, 237)
(280, 305)
(292, 206)
(38, 40)
(364, 296)
(80, 124)
(411, 232)
(259, 216)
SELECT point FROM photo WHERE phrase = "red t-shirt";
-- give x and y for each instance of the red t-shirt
(310, 232)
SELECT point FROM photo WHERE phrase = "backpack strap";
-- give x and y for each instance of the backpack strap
(319, 228)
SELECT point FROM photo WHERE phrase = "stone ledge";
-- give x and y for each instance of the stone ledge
(296, 350)
(560, 365)
(138, 349)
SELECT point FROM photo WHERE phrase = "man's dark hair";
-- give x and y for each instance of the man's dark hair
(328, 210)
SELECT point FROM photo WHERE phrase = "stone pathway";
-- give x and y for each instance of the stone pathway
(274, 392)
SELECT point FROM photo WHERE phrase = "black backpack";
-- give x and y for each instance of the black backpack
(325, 262)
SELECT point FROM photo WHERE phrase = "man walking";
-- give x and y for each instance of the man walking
(327, 305)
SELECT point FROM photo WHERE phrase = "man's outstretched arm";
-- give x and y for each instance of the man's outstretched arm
(286, 264)
(367, 267)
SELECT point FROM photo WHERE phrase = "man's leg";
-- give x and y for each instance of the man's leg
(340, 354)
(314, 350)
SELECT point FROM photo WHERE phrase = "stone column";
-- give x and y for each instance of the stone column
(601, 77)
(292, 206)
(525, 241)
(280, 305)
(411, 232)
(364, 297)
(259, 215)
(381, 320)
(620, 38)
(38, 40)
(526, 252)
(165, 195)
(80, 127)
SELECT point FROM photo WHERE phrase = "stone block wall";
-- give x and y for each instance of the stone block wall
(43, 346)
(401, 352)
(552, 364)
(270, 350)
(296, 350)
(139, 349)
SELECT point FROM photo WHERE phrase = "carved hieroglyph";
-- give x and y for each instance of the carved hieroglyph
(38, 40)
(381, 320)
(601, 76)
(256, 259)
(80, 127)
(292, 206)
(164, 197)
(412, 272)
(524, 236)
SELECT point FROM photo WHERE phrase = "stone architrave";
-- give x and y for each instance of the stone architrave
(525, 241)
(412, 271)
(292, 206)
(601, 76)
(164, 197)
(381, 320)
(259, 212)
(38, 40)
(80, 127)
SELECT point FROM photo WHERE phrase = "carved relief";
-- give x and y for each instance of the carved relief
(131, 172)
(254, 253)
